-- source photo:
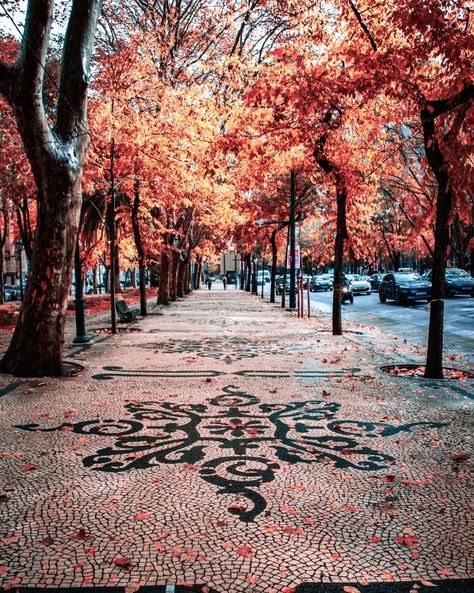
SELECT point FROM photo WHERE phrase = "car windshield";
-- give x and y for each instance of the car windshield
(407, 277)
(356, 277)
(455, 273)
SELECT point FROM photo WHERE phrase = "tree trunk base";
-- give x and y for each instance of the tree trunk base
(30, 366)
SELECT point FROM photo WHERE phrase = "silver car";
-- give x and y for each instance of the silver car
(359, 284)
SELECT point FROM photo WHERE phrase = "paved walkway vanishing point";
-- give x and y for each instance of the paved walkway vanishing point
(230, 447)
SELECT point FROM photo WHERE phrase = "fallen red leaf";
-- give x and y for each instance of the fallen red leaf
(244, 551)
(28, 468)
(81, 535)
(461, 457)
(124, 563)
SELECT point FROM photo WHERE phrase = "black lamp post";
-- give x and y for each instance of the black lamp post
(292, 241)
(19, 248)
(81, 337)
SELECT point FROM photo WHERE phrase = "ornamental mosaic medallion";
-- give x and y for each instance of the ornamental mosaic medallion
(235, 442)
(225, 348)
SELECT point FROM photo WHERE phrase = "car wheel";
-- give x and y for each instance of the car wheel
(398, 298)
(382, 297)
(449, 293)
(351, 299)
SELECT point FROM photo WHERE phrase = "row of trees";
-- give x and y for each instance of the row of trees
(197, 114)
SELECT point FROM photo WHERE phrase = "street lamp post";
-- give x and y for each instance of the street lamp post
(235, 271)
(254, 276)
(292, 241)
(81, 337)
(19, 249)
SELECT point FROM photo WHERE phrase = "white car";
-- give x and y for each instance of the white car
(359, 284)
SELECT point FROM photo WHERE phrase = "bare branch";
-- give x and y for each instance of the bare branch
(363, 25)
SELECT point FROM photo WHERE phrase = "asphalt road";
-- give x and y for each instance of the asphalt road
(459, 311)
(406, 321)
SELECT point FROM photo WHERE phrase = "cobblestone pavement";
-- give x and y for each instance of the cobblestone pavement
(229, 444)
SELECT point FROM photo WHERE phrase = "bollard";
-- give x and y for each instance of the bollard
(308, 291)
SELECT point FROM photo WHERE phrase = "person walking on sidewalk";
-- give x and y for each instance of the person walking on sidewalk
(224, 282)
(209, 282)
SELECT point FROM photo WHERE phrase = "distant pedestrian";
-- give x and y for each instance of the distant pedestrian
(209, 282)
(224, 282)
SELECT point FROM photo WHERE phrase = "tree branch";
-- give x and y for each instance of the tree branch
(74, 81)
(363, 25)
(34, 49)
(440, 106)
(6, 81)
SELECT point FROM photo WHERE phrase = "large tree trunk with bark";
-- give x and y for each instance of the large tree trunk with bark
(437, 154)
(56, 157)
(37, 343)
(163, 287)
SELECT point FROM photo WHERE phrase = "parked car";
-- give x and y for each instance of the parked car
(403, 287)
(320, 283)
(457, 282)
(359, 284)
(375, 281)
(11, 293)
(263, 276)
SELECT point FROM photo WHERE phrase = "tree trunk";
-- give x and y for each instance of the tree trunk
(181, 278)
(248, 273)
(187, 278)
(199, 278)
(438, 157)
(56, 157)
(107, 279)
(163, 287)
(332, 170)
(173, 275)
(274, 264)
(37, 343)
(139, 247)
(94, 280)
(2, 280)
(134, 277)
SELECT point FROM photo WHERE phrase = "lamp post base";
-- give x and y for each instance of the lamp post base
(81, 340)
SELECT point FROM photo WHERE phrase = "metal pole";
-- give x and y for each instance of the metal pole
(292, 241)
(81, 337)
(298, 299)
(235, 271)
(112, 239)
(263, 275)
(21, 275)
(309, 297)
